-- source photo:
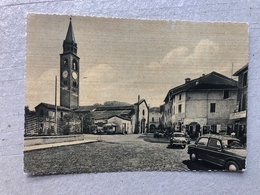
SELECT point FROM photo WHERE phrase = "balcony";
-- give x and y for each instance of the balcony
(238, 115)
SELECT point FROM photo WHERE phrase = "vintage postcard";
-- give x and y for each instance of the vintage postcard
(110, 95)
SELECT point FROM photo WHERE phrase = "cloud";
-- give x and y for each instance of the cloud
(181, 60)
(175, 56)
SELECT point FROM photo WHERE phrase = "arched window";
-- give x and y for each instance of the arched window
(65, 63)
(74, 65)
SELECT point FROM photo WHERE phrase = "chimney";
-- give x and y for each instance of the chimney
(187, 80)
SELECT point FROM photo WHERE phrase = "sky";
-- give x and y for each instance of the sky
(123, 58)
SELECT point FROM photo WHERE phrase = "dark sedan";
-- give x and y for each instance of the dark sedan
(224, 151)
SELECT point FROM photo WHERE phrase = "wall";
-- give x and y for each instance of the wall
(120, 123)
(199, 104)
(39, 140)
(156, 115)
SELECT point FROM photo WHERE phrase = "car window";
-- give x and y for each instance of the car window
(203, 141)
(235, 144)
(178, 135)
(214, 143)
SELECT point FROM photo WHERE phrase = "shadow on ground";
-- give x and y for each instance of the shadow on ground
(201, 165)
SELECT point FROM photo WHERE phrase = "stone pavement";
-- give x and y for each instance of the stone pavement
(90, 138)
(44, 146)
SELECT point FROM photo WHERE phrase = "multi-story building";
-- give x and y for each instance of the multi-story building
(240, 115)
(200, 105)
(154, 119)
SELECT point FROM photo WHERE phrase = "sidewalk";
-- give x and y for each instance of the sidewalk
(44, 146)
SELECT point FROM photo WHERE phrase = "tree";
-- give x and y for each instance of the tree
(88, 121)
(66, 123)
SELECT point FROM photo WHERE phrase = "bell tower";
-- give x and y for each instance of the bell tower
(69, 71)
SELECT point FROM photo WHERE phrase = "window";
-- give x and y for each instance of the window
(179, 108)
(41, 113)
(214, 143)
(226, 94)
(51, 114)
(212, 107)
(180, 97)
(65, 82)
(74, 65)
(152, 119)
(74, 83)
(143, 112)
(243, 107)
(244, 79)
(213, 128)
(203, 141)
(65, 63)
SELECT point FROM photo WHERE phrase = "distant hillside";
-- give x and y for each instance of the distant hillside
(113, 103)
(116, 103)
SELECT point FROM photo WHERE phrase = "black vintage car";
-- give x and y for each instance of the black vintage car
(225, 151)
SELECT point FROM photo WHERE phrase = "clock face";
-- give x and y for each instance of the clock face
(74, 75)
(65, 74)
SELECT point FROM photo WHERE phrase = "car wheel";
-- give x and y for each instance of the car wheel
(193, 156)
(231, 166)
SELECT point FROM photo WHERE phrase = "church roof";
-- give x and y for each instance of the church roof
(103, 108)
(52, 107)
(140, 102)
(85, 108)
(70, 34)
(121, 117)
(107, 112)
(154, 109)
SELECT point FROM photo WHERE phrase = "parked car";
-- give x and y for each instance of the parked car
(109, 129)
(158, 134)
(225, 151)
(178, 139)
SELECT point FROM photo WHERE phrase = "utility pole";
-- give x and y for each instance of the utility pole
(56, 121)
(137, 117)
(232, 66)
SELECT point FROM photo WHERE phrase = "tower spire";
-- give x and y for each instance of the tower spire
(70, 34)
(69, 44)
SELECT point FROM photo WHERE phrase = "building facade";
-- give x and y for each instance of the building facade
(200, 105)
(154, 119)
(134, 118)
(122, 125)
(239, 116)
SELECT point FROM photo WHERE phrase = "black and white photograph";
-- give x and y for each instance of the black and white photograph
(123, 95)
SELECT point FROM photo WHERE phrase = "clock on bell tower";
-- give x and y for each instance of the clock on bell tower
(69, 72)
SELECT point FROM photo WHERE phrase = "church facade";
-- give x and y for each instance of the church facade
(68, 118)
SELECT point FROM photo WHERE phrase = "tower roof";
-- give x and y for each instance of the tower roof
(70, 34)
